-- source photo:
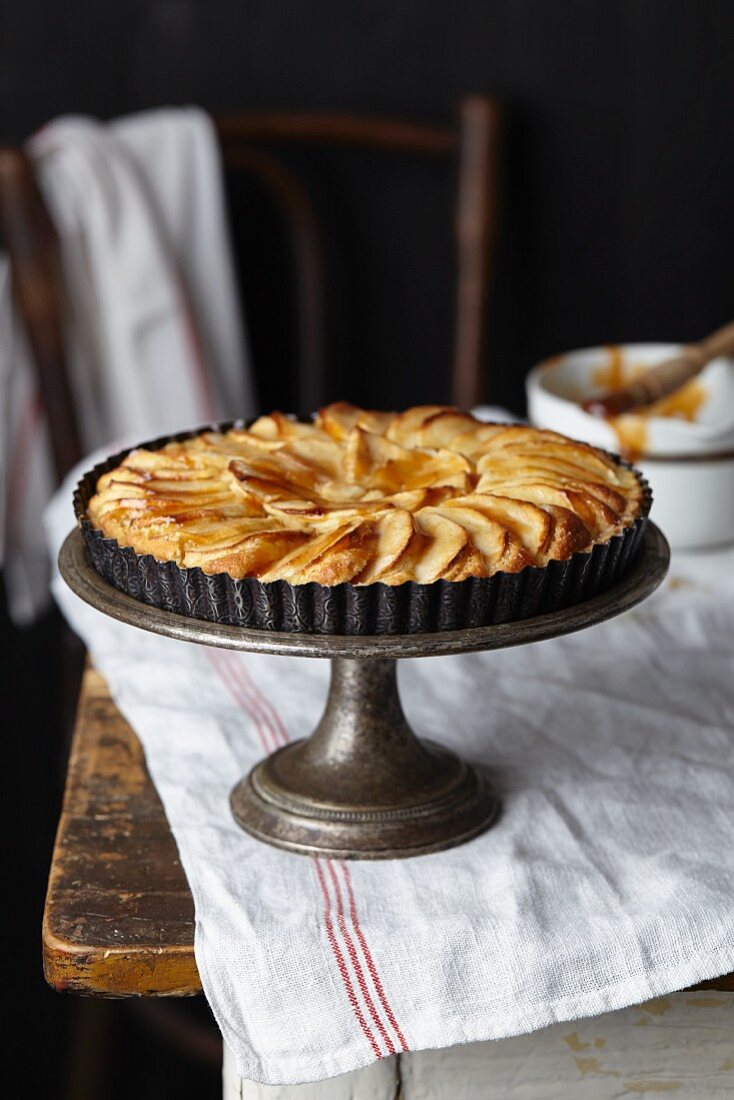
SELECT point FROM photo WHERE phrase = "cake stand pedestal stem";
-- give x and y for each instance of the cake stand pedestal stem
(363, 785)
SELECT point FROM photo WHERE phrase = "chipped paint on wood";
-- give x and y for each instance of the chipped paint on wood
(639, 1087)
(574, 1043)
(658, 1006)
(665, 1046)
(683, 1051)
(593, 1065)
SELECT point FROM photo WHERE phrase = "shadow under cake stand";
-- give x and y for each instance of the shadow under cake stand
(363, 785)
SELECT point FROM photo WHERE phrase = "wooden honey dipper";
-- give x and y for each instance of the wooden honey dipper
(665, 378)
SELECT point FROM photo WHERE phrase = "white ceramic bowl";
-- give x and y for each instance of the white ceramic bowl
(690, 465)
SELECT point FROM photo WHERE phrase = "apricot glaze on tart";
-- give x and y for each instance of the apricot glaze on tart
(427, 494)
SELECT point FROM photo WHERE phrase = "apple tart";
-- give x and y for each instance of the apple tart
(362, 522)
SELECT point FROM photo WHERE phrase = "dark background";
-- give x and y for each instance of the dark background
(618, 223)
(617, 226)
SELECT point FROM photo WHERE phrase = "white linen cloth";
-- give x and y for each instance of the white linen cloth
(608, 879)
(153, 328)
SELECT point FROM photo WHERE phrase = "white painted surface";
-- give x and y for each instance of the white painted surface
(680, 1046)
(378, 1082)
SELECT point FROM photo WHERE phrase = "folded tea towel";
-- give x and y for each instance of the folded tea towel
(608, 879)
(153, 329)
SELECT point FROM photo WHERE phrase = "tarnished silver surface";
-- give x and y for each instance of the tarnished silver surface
(643, 578)
(363, 786)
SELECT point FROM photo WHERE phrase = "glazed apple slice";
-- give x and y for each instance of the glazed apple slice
(296, 566)
(338, 420)
(445, 539)
(530, 523)
(440, 428)
(592, 512)
(379, 463)
(391, 537)
(406, 426)
(248, 557)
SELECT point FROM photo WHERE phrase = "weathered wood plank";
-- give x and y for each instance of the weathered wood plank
(119, 918)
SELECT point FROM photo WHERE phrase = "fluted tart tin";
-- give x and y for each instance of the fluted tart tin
(348, 609)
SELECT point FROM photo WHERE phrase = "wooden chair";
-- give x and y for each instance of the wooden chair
(473, 145)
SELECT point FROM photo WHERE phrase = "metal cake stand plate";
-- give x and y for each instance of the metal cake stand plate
(363, 785)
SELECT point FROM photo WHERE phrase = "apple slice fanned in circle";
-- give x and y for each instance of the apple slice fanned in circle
(248, 556)
(530, 523)
(499, 547)
(338, 420)
(317, 557)
(392, 534)
(445, 540)
(379, 463)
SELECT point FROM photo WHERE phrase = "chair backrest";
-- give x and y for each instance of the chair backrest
(29, 238)
(473, 144)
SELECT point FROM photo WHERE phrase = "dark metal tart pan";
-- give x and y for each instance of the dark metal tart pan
(409, 608)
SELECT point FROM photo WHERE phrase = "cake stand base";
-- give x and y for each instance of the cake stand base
(363, 786)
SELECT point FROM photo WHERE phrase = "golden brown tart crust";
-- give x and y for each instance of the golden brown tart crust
(356, 496)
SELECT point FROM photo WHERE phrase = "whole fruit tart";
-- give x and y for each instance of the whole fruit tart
(357, 499)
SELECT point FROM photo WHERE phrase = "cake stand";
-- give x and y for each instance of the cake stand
(363, 785)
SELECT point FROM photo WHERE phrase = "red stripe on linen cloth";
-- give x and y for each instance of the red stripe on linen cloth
(280, 733)
(356, 964)
(341, 964)
(372, 969)
(224, 673)
(272, 731)
(270, 718)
